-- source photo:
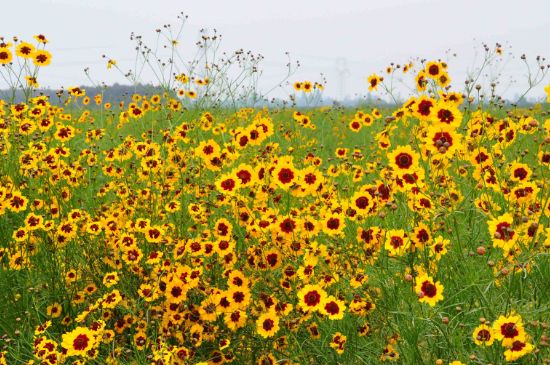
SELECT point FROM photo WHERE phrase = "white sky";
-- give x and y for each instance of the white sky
(367, 34)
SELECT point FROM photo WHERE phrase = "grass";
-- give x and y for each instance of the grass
(483, 278)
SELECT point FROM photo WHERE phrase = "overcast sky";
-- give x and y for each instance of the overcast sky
(346, 40)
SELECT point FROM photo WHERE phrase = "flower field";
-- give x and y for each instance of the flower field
(161, 231)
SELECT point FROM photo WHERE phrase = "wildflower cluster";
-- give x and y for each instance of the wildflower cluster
(147, 232)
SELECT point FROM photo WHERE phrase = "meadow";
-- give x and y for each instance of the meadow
(164, 230)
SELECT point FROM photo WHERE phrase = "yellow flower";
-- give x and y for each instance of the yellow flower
(337, 343)
(110, 63)
(373, 81)
(54, 310)
(433, 69)
(404, 158)
(31, 81)
(518, 349)
(267, 324)
(110, 279)
(311, 297)
(502, 233)
(397, 243)
(446, 114)
(509, 329)
(428, 291)
(333, 308)
(40, 38)
(78, 341)
(5, 56)
(483, 335)
(41, 58)
(24, 50)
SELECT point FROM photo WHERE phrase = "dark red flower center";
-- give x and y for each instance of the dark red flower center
(312, 298)
(484, 335)
(404, 160)
(429, 289)
(81, 342)
(268, 324)
(286, 175)
(509, 330)
(332, 308)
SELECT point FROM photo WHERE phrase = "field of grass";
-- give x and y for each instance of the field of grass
(155, 232)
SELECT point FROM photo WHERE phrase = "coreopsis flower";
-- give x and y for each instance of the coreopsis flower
(483, 335)
(509, 329)
(41, 58)
(309, 180)
(442, 141)
(397, 243)
(54, 310)
(439, 247)
(110, 279)
(428, 290)
(24, 50)
(297, 85)
(223, 229)
(285, 174)
(333, 308)
(34, 222)
(40, 38)
(363, 202)
(266, 359)
(228, 184)
(78, 342)
(338, 342)
(17, 202)
(148, 293)
(374, 80)
(421, 236)
(520, 172)
(235, 319)
(389, 354)
(110, 63)
(404, 159)
(433, 69)
(502, 231)
(239, 297)
(518, 349)
(355, 125)
(31, 81)
(6, 56)
(64, 133)
(245, 173)
(208, 310)
(333, 224)
(443, 80)
(307, 86)
(423, 108)
(110, 300)
(311, 297)
(525, 192)
(421, 81)
(267, 324)
(446, 114)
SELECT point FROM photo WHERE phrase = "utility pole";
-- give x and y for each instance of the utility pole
(341, 65)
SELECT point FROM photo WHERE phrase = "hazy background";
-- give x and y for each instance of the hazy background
(346, 40)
